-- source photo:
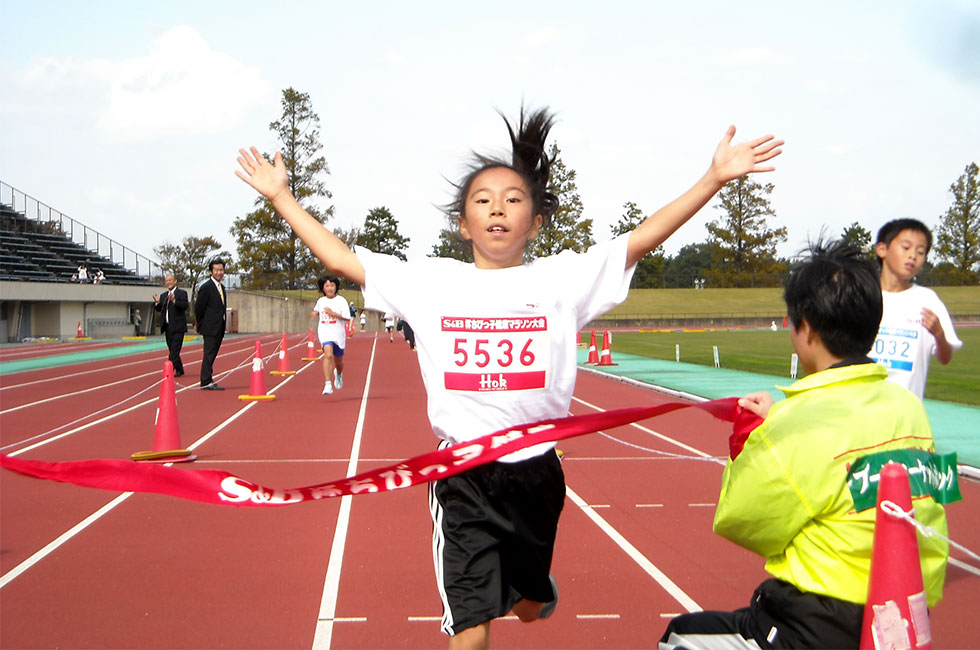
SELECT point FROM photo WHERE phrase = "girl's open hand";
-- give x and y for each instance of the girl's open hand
(731, 162)
(269, 180)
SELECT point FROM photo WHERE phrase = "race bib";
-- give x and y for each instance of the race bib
(895, 348)
(494, 354)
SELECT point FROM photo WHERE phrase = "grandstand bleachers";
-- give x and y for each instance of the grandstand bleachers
(35, 251)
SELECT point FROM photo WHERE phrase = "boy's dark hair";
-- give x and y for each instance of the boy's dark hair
(529, 159)
(216, 260)
(890, 230)
(328, 278)
(837, 292)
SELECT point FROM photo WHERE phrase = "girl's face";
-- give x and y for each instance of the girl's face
(329, 289)
(498, 218)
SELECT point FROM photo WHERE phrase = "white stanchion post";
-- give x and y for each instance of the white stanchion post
(717, 363)
(793, 365)
(677, 352)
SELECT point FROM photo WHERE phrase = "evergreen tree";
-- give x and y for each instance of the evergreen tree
(858, 236)
(451, 244)
(269, 252)
(567, 230)
(649, 270)
(745, 245)
(189, 260)
(692, 262)
(958, 236)
(380, 234)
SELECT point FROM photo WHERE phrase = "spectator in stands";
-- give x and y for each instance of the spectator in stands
(82, 272)
(173, 319)
(211, 309)
(99, 277)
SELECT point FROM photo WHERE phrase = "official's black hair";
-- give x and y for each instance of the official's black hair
(528, 158)
(216, 260)
(837, 292)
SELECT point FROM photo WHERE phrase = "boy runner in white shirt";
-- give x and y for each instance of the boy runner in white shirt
(915, 324)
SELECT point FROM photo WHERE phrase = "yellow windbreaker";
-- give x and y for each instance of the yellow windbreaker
(785, 496)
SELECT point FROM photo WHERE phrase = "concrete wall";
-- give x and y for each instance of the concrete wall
(257, 312)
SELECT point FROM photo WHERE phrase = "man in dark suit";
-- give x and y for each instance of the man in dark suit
(173, 320)
(210, 309)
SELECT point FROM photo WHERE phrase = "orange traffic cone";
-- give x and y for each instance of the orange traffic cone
(311, 354)
(256, 389)
(593, 355)
(605, 357)
(78, 331)
(895, 613)
(283, 359)
(784, 322)
(166, 431)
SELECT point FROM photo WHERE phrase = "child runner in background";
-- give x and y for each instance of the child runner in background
(390, 326)
(786, 495)
(915, 324)
(499, 349)
(331, 311)
(363, 320)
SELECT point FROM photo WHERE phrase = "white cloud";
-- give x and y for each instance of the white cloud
(182, 87)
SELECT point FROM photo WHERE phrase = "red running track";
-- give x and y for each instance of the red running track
(86, 568)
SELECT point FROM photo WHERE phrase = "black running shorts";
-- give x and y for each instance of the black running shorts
(493, 537)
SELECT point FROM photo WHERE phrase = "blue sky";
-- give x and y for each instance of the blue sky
(128, 116)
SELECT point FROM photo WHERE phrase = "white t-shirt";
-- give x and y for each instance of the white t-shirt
(498, 347)
(903, 345)
(390, 321)
(330, 328)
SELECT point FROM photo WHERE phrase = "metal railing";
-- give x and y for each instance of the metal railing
(89, 238)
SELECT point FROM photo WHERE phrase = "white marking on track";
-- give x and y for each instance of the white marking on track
(331, 584)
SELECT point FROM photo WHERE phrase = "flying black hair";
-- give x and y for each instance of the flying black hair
(528, 158)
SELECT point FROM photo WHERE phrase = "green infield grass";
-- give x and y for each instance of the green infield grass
(767, 352)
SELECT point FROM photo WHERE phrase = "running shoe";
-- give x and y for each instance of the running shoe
(338, 380)
(327, 388)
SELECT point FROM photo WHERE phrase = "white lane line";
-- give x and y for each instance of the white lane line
(649, 505)
(702, 505)
(154, 373)
(669, 586)
(108, 417)
(680, 444)
(61, 539)
(593, 617)
(328, 601)
(104, 510)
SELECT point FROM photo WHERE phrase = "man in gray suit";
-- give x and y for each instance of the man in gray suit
(173, 320)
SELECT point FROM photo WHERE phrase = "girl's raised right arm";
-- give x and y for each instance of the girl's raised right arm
(270, 181)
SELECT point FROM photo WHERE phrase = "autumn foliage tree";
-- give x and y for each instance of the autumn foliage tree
(189, 259)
